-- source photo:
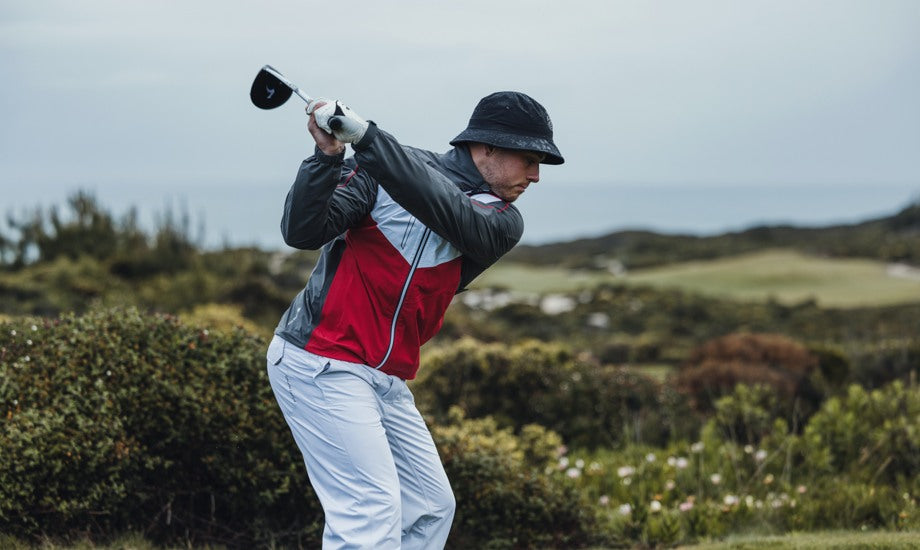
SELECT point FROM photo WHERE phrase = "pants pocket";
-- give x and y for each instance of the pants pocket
(394, 390)
(275, 352)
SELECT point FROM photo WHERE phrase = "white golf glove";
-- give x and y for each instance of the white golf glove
(336, 118)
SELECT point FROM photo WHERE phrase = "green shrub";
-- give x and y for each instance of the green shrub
(746, 415)
(504, 497)
(873, 436)
(588, 404)
(887, 359)
(842, 504)
(117, 421)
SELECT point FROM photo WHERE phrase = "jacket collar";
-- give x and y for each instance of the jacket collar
(459, 163)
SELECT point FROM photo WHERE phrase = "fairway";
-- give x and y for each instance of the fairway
(783, 275)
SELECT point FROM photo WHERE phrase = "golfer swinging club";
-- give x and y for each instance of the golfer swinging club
(401, 231)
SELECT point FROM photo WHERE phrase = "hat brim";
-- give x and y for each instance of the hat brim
(508, 141)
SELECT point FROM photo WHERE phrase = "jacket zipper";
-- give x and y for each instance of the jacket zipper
(402, 297)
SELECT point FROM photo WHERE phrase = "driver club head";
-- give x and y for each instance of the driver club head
(270, 89)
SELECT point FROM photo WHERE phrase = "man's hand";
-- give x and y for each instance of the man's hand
(336, 118)
(324, 139)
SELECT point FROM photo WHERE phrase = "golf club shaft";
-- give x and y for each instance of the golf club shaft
(288, 83)
(307, 99)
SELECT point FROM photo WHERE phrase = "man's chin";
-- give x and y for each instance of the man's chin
(511, 197)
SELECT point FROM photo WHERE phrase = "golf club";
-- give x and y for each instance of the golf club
(271, 89)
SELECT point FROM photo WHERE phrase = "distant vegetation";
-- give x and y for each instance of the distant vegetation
(782, 275)
(891, 239)
(605, 413)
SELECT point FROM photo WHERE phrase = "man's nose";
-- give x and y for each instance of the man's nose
(534, 175)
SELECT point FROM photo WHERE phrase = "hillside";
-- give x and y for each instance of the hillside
(893, 238)
(781, 275)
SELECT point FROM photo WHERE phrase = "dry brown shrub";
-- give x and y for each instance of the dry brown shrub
(774, 360)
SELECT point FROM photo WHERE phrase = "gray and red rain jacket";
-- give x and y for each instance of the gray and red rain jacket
(401, 231)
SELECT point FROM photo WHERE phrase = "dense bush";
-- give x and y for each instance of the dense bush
(854, 466)
(775, 361)
(871, 436)
(588, 404)
(886, 359)
(504, 498)
(746, 416)
(118, 421)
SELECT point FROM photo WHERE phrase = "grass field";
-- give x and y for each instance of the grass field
(848, 540)
(783, 275)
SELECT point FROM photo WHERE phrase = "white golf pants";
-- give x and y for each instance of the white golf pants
(368, 452)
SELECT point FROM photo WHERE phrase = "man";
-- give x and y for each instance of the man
(401, 230)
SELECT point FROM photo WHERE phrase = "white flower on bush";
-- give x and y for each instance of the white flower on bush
(573, 473)
(749, 501)
(654, 506)
(13, 332)
(682, 463)
(697, 447)
(579, 463)
(625, 509)
(34, 328)
(777, 503)
(801, 489)
(760, 455)
(594, 467)
(715, 479)
(604, 500)
(625, 471)
(669, 484)
(29, 342)
(650, 457)
(748, 449)
(626, 480)
(685, 506)
(768, 480)
(563, 463)
(731, 500)
(672, 461)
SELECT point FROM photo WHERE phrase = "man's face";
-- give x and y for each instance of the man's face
(509, 172)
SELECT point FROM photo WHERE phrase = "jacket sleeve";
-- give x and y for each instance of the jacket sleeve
(328, 196)
(482, 232)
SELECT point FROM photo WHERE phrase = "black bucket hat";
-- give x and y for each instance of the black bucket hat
(512, 120)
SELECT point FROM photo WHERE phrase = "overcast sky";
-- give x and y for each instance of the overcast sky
(151, 97)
